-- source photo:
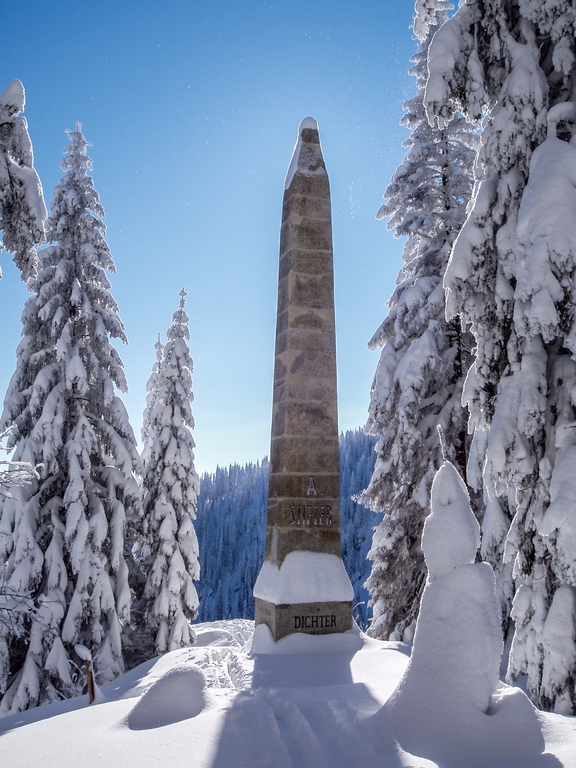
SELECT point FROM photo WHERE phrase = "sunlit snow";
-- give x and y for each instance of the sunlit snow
(218, 705)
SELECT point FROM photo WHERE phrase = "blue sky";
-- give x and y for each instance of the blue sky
(192, 109)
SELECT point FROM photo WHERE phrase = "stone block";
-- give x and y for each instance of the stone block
(313, 366)
(303, 454)
(313, 516)
(309, 186)
(311, 291)
(281, 540)
(309, 420)
(282, 321)
(311, 234)
(310, 320)
(283, 294)
(280, 370)
(302, 389)
(309, 618)
(295, 487)
(307, 207)
(306, 262)
(279, 419)
(303, 340)
(311, 136)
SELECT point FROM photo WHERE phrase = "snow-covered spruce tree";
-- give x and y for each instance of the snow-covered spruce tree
(511, 281)
(171, 489)
(419, 378)
(62, 541)
(140, 645)
(150, 426)
(22, 209)
(22, 222)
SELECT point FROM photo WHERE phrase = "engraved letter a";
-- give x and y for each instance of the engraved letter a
(311, 488)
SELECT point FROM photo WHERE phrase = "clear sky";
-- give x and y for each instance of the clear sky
(192, 107)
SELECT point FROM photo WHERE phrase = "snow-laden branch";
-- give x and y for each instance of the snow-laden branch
(15, 474)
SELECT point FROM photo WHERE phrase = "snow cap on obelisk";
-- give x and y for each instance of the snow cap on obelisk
(303, 586)
(308, 163)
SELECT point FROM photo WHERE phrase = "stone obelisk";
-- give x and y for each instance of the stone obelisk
(303, 586)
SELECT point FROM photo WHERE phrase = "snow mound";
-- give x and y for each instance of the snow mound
(451, 535)
(233, 633)
(450, 706)
(177, 695)
(304, 577)
(308, 122)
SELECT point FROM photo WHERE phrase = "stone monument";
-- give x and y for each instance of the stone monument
(303, 586)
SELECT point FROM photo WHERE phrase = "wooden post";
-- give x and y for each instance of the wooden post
(89, 679)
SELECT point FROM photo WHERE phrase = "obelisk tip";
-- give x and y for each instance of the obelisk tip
(310, 163)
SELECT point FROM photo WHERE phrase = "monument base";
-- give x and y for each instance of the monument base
(310, 618)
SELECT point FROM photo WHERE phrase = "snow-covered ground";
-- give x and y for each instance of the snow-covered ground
(308, 702)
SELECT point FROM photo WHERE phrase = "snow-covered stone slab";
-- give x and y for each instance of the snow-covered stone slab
(304, 577)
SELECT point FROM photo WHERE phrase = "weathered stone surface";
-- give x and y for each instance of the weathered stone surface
(310, 234)
(312, 321)
(308, 389)
(307, 340)
(310, 186)
(294, 486)
(303, 454)
(306, 262)
(304, 493)
(311, 136)
(280, 541)
(310, 618)
(309, 207)
(313, 366)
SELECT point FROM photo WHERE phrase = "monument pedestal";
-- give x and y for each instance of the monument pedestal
(311, 618)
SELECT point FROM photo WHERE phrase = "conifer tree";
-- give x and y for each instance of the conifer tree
(511, 281)
(140, 645)
(419, 378)
(171, 488)
(22, 218)
(149, 424)
(22, 209)
(62, 537)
